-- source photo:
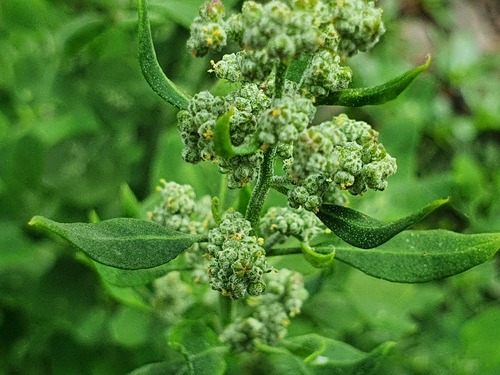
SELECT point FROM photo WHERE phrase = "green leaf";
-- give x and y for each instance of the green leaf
(327, 356)
(128, 278)
(317, 260)
(420, 256)
(130, 204)
(122, 243)
(158, 368)
(222, 139)
(150, 67)
(364, 231)
(374, 95)
(200, 346)
(296, 69)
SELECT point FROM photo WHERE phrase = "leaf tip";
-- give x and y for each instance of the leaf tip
(428, 59)
(35, 221)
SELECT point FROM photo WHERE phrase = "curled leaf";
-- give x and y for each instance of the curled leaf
(374, 95)
(150, 67)
(316, 259)
(129, 244)
(222, 139)
(363, 231)
(420, 256)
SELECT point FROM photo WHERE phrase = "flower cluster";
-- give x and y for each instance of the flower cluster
(197, 127)
(285, 222)
(324, 74)
(179, 209)
(344, 151)
(172, 297)
(237, 259)
(276, 34)
(271, 314)
(283, 31)
(207, 32)
(359, 25)
(285, 119)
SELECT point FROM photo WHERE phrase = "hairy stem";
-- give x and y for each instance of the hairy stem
(261, 188)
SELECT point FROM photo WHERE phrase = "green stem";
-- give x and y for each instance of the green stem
(261, 188)
(279, 80)
(283, 251)
(226, 310)
(266, 171)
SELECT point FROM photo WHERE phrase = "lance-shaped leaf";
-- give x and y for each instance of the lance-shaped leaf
(420, 256)
(374, 95)
(150, 67)
(122, 243)
(222, 139)
(363, 231)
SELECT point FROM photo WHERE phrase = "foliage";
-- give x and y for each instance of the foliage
(77, 120)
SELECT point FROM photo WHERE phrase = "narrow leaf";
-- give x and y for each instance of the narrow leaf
(150, 67)
(420, 256)
(222, 139)
(122, 243)
(364, 231)
(374, 95)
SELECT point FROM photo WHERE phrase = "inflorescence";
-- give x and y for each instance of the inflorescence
(272, 108)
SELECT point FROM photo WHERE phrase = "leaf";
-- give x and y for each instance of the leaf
(200, 346)
(80, 31)
(222, 139)
(296, 69)
(130, 204)
(127, 278)
(374, 95)
(122, 243)
(420, 256)
(364, 231)
(150, 67)
(327, 356)
(317, 260)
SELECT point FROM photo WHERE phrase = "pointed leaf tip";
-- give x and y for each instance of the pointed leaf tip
(363, 231)
(375, 95)
(123, 243)
(421, 256)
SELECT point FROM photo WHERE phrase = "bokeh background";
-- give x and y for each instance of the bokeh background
(80, 130)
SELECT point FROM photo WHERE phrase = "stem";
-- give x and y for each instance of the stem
(279, 80)
(266, 171)
(261, 188)
(283, 251)
(226, 310)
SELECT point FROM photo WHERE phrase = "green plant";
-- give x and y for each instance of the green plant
(285, 70)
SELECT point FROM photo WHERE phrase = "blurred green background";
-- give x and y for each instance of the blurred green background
(78, 124)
